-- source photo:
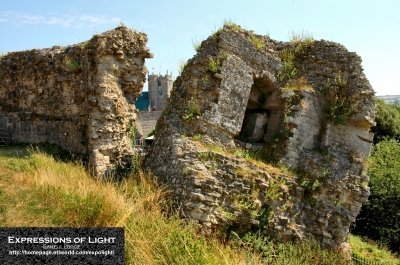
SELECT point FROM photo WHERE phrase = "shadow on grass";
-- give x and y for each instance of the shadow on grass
(24, 150)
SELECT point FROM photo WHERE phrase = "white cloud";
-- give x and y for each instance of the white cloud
(99, 20)
(68, 19)
(29, 18)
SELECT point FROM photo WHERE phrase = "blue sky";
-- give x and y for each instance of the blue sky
(369, 28)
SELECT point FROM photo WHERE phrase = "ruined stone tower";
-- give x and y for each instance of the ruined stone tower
(245, 101)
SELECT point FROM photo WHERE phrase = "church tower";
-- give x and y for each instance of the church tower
(159, 90)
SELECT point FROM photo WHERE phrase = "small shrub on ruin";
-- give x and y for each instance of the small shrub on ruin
(339, 103)
(196, 46)
(71, 65)
(192, 110)
(214, 65)
(84, 45)
(257, 43)
(182, 66)
(231, 24)
(203, 157)
(121, 24)
(196, 137)
(272, 192)
(216, 33)
(302, 41)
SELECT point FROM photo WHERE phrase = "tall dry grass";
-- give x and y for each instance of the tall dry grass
(37, 190)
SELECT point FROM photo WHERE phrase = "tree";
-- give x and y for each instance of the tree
(387, 121)
(379, 218)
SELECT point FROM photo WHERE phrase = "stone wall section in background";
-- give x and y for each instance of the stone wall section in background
(79, 97)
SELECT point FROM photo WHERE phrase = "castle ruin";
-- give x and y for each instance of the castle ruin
(244, 100)
(80, 97)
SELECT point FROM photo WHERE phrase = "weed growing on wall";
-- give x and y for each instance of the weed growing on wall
(227, 23)
(339, 103)
(216, 33)
(257, 43)
(196, 137)
(192, 110)
(300, 43)
(196, 45)
(84, 45)
(213, 65)
(302, 40)
(71, 65)
(181, 67)
(231, 24)
(293, 85)
(272, 193)
(121, 24)
(203, 157)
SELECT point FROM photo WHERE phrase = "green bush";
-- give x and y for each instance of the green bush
(379, 218)
(387, 121)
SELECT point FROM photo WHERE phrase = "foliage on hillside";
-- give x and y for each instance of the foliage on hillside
(387, 121)
(379, 218)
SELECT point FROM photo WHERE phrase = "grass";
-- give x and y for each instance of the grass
(304, 38)
(226, 23)
(257, 43)
(230, 23)
(214, 65)
(196, 46)
(37, 190)
(215, 33)
(372, 252)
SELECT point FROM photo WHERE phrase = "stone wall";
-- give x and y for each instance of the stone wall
(146, 121)
(232, 110)
(79, 97)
